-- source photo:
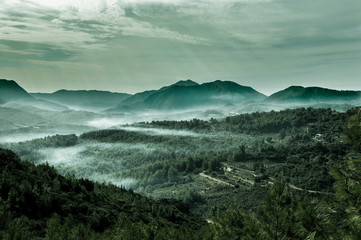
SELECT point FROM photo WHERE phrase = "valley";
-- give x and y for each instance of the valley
(180, 120)
(207, 157)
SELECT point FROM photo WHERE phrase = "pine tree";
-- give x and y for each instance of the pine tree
(277, 213)
(348, 183)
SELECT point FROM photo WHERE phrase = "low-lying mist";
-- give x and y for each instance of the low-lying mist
(102, 162)
(217, 112)
(112, 120)
(160, 131)
(22, 137)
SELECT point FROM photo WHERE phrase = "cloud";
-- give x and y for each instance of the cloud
(255, 42)
(257, 23)
(74, 24)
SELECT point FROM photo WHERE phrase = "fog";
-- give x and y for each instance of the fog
(160, 131)
(17, 136)
(101, 162)
(115, 162)
(22, 137)
(102, 123)
(61, 156)
(118, 120)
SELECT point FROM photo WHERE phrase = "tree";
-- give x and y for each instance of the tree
(277, 213)
(234, 223)
(347, 185)
(352, 131)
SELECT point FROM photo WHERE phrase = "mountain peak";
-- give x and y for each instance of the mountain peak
(295, 87)
(186, 83)
(8, 83)
(65, 91)
(10, 90)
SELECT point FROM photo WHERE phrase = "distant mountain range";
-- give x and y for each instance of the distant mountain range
(83, 99)
(12, 95)
(142, 96)
(182, 95)
(313, 94)
(188, 94)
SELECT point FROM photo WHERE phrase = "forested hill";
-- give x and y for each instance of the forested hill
(312, 120)
(313, 94)
(38, 203)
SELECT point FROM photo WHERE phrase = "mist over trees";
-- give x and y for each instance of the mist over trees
(248, 176)
(289, 174)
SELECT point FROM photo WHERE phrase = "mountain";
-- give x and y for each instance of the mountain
(83, 99)
(14, 96)
(181, 83)
(140, 97)
(11, 91)
(298, 94)
(189, 94)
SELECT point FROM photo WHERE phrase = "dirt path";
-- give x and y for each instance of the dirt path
(202, 174)
(237, 177)
(301, 189)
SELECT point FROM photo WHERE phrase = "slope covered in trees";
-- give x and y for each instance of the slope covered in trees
(301, 145)
(313, 94)
(38, 202)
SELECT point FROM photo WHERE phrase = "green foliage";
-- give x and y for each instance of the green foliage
(39, 200)
(348, 195)
(276, 214)
(303, 151)
(352, 131)
(234, 223)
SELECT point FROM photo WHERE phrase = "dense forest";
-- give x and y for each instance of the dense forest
(36, 201)
(293, 174)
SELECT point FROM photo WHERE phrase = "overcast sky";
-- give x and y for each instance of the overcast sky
(134, 45)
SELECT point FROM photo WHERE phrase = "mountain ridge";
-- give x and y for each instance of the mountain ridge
(83, 99)
(11, 90)
(184, 94)
(313, 94)
(189, 94)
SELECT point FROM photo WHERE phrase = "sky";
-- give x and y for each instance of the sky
(136, 45)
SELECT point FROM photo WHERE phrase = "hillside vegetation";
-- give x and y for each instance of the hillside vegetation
(38, 203)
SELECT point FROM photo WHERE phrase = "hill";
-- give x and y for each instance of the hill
(181, 83)
(14, 96)
(189, 94)
(91, 99)
(141, 96)
(313, 94)
(10, 91)
(37, 202)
